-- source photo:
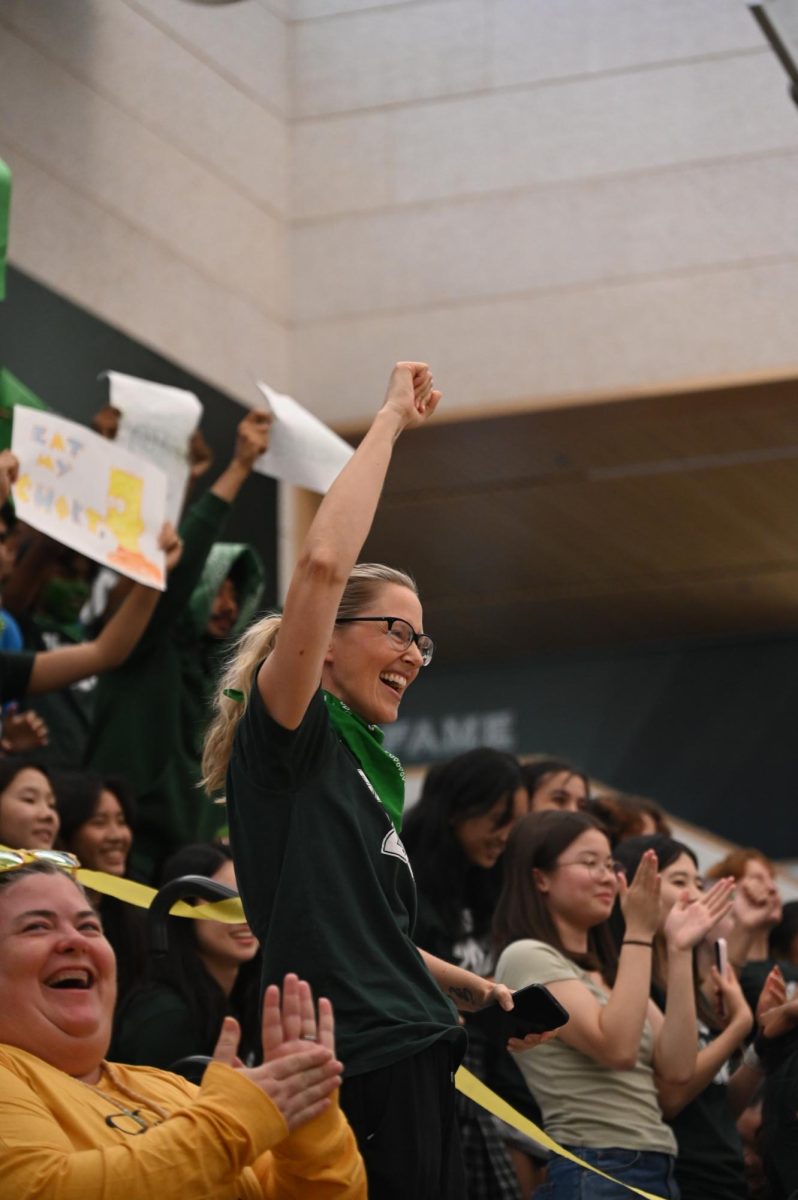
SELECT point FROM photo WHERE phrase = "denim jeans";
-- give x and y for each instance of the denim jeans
(645, 1169)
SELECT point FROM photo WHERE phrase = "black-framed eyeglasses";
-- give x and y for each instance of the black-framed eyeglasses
(401, 633)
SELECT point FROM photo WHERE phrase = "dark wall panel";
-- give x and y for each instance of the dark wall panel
(708, 730)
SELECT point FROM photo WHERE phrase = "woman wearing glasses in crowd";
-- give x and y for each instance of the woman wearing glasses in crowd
(73, 1124)
(596, 1083)
(315, 807)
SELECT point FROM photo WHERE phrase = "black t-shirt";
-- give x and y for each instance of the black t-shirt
(328, 889)
(15, 672)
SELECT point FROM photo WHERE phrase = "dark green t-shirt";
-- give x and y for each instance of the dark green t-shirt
(327, 887)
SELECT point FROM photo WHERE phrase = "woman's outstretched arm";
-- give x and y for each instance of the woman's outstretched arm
(64, 665)
(291, 674)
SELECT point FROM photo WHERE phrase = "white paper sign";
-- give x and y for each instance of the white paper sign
(156, 423)
(302, 450)
(90, 493)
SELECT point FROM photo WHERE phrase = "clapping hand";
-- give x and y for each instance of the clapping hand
(640, 899)
(773, 994)
(300, 1071)
(690, 921)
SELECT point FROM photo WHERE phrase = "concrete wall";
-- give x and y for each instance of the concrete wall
(545, 198)
(149, 146)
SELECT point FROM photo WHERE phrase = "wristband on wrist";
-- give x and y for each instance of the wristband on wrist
(636, 942)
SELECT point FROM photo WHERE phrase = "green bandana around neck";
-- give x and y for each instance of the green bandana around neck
(381, 768)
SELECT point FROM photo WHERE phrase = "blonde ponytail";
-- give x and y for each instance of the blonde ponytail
(255, 644)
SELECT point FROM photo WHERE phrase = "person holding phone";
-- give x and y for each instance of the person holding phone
(315, 809)
(701, 1110)
(597, 1082)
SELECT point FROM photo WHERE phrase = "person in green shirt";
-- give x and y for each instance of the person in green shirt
(150, 716)
(315, 808)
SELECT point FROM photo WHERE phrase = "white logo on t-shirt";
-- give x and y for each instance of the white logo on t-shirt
(392, 844)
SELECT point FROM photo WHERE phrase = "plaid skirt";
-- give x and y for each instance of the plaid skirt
(489, 1171)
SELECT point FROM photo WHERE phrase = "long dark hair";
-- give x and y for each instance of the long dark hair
(454, 791)
(183, 970)
(78, 794)
(537, 841)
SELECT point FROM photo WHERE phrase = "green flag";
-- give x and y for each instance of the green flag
(13, 392)
(5, 206)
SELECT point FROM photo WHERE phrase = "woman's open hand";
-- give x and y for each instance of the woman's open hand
(773, 994)
(300, 1071)
(639, 900)
(689, 922)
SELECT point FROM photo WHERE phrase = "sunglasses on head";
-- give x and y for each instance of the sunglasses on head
(14, 860)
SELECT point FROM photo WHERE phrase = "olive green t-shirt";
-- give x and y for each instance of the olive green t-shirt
(583, 1103)
(327, 887)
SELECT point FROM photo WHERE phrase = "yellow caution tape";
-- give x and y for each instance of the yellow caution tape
(231, 913)
(228, 911)
(476, 1090)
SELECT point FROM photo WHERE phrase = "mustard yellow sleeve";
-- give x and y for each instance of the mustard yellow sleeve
(202, 1150)
(318, 1161)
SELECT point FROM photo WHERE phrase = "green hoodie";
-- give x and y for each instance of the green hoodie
(151, 713)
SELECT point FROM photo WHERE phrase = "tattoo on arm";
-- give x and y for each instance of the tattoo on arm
(463, 994)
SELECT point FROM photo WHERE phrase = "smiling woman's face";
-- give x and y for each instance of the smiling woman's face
(28, 815)
(57, 974)
(363, 668)
(483, 838)
(102, 843)
(680, 880)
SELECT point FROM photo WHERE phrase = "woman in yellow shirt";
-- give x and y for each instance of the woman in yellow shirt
(73, 1125)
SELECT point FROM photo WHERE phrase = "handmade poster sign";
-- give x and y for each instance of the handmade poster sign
(157, 422)
(90, 494)
(302, 450)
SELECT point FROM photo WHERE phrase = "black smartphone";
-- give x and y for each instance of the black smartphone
(535, 1011)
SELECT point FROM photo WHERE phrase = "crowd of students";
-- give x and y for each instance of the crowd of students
(672, 1073)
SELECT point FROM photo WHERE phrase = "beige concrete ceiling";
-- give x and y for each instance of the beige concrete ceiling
(635, 520)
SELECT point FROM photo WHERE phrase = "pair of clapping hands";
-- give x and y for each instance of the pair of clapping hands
(689, 920)
(299, 1072)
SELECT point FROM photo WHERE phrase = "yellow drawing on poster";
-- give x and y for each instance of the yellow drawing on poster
(89, 495)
